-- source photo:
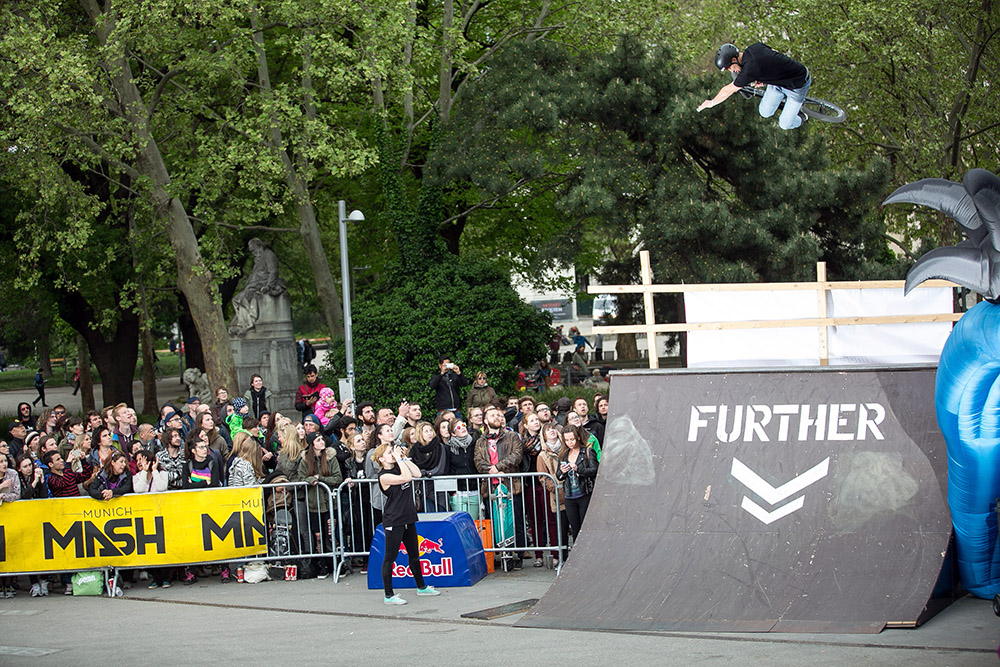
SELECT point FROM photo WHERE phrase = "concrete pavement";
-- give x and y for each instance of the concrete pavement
(309, 622)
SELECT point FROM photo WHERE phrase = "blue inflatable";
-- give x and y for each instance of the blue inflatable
(967, 398)
(967, 388)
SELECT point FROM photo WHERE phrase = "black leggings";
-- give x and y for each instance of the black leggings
(576, 511)
(394, 535)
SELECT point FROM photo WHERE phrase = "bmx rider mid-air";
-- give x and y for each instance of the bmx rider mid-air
(760, 65)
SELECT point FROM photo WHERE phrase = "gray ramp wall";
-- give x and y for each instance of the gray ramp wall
(793, 501)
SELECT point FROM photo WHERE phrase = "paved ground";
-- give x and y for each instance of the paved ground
(308, 622)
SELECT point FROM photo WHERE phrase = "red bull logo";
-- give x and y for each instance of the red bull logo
(427, 569)
(425, 546)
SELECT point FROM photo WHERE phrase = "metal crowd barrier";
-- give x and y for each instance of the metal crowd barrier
(291, 530)
(536, 528)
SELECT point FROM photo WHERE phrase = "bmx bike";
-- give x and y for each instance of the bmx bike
(814, 107)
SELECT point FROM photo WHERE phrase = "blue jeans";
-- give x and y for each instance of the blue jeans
(789, 118)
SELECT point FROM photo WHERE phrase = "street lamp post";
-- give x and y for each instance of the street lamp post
(345, 276)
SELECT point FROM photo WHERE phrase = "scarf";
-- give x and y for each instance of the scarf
(258, 401)
(532, 443)
(201, 475)
(427, 457)
(458, 445)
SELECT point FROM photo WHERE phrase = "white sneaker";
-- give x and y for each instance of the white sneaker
(429, 590)
(395, 599)
(36, 591)
(45, 587)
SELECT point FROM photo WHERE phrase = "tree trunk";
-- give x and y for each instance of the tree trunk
(150, 402)
(626, 348)
(86, 379)
(115, 358)
(444, 67)
(193, 277)
(193, 355)
(326, 290)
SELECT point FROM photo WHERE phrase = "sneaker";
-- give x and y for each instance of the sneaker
(428, 590)
(803, 116)
(189, 578)
(69, 589)
(153, 585)
(225, 575)
(45, 587)
(36, 591)
(165, 584)
(395, 599)
(539, 562)
(518, 564)
(323, 572)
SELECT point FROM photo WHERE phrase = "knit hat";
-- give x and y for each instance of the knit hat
(239, 403)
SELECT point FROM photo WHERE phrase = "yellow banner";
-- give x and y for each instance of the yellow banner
(134, 530)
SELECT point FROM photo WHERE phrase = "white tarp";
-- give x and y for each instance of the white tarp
(799, 346)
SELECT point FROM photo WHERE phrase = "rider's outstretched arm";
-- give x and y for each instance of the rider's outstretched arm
(724, 94)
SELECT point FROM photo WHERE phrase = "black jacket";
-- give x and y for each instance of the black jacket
(586, 471)
(595, 427)
(102, 482)
(446, 388)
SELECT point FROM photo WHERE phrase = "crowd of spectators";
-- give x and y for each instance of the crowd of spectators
(223, 441)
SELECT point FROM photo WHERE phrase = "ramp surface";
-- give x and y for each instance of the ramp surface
(793, 501)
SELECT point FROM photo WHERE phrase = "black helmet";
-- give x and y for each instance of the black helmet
(724, 56)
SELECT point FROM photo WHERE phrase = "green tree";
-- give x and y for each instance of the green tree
(916, 77)
(715, 197)
(74, 99)
(463, 309)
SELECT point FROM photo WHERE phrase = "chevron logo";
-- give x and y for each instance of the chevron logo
(773, 495)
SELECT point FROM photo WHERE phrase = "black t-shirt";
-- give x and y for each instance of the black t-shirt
(399, 509)
(764, 64)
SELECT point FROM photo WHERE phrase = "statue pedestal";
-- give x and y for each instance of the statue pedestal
(268, 349)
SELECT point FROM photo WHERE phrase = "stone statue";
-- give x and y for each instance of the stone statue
(263, 280)
(198, 385)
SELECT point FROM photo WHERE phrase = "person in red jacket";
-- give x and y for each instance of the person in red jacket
(308, 393)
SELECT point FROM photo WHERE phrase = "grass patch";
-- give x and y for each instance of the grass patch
(167, 366)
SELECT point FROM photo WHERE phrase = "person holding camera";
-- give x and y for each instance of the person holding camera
(399, 516)
(446, 384)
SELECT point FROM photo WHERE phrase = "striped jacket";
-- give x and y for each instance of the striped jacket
(65, 485)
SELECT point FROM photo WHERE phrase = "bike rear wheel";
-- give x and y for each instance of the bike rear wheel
(822, 110)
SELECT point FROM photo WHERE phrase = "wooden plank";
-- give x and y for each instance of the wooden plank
(782, 324)
(760, 287)
(647, 306)
(502, 610)
(824, 346)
